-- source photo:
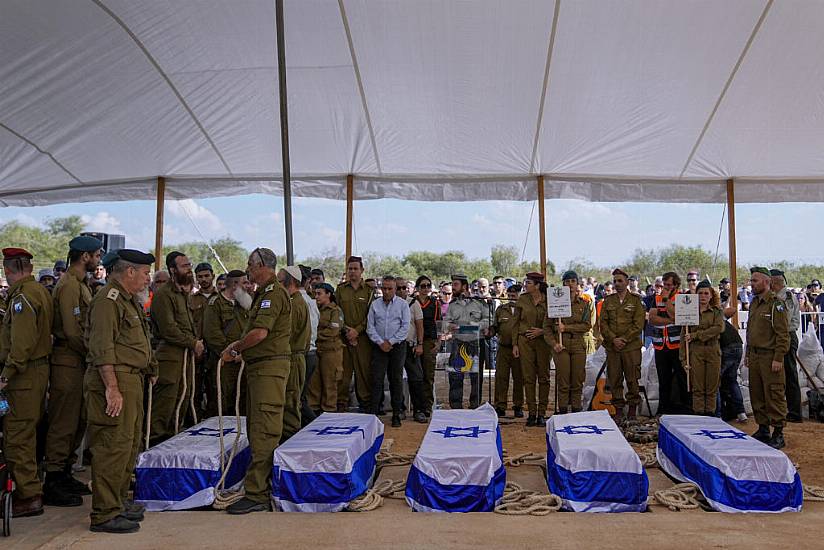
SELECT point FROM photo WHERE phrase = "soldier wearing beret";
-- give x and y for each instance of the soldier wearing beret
(778, 285)
(705, 349)
(72, 297)
(531, 347)
(120, 358)
(25, 345)
(768, 340)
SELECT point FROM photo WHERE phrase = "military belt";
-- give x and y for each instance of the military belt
(38, 362)
(762, 351)
(268, 358)
(127, 369)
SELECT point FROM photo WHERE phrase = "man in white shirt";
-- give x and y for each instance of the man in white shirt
(306, 292)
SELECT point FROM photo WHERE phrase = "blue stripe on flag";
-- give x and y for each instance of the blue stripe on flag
(455, 498)
(595, 486)
(742, 494)
(326, 487)
(176, 484)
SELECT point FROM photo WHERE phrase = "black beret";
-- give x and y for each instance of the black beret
(569, 275)
(236, 273)
(776, 273)
(204, 266)
(135, 256)
(109, 258)
(459, 277)
(85, 243)
(327, 287)
(703, 284)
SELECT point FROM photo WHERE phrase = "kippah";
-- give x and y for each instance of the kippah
(135, 256)
(236, 273)
(294, 271)
(204, 266)
(85, 243)
(758, 269)
(16, 253)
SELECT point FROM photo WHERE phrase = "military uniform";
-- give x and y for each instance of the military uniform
(323, 387)
(118, 335)
(175, 332)
(534, 354)
(505, 362)
(223, 323)
(355, 306)
(705, 359)
(767, 340)
(267, 368)
(570, 362)
(205, 372)
(301, 332)
(623, 319)
(25, 345)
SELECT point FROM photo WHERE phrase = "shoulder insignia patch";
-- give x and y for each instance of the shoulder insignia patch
(18, 306)
(269, 288)
(113, 294)
(76, 311)
(779, 307)
(265, 304)
(212, 299)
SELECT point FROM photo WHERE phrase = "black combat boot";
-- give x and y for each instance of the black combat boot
(73, 485)
(540, 422)
(777, 439)
(55, 493)
(530, 420)
(117, 525)
(762, 434)
(519, 412)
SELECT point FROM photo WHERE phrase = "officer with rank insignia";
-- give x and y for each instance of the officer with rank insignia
(569, 338)
(301, 331)
(72, 297)
(505, 363)
(266, 350)
(531, 347)
(768, 340)
(354, 298)
(25, 345)
(119, 358)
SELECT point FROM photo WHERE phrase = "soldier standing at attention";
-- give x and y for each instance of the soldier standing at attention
(506, 364)
(120, 357)
(532, 349)
(354, 298)
(265, 349)
(768, 340)
(323, 387)
(72, 297)
(175, 331)
(622, 321)
(569, 339)
(25, 345)
(778, 286)
(301, 332)
(206, 380)
(705, 350)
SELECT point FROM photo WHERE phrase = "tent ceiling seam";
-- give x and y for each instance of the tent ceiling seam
(727, 85)
(545, 87)
(41, 151)
(166, 78)
(356, 68)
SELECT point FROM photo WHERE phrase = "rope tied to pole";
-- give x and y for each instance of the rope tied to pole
(521, 502)
(224, 498)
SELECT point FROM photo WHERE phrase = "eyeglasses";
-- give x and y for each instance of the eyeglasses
(692, 280)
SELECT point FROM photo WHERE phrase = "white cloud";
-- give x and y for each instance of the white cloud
(102, 222)
(25, 219)
(205, 219)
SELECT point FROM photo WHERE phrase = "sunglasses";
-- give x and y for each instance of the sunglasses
(692, 280)
(446, 293)
(423, 285)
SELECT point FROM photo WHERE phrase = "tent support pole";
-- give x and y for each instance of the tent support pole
(350, 206)
(731, 239)
(542, 223)
(284, 134)
(160, 205)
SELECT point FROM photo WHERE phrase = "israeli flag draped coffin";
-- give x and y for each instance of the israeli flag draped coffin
(181, 472)
(591, 466)
(735, 472)
(459, 467)
(326, 464)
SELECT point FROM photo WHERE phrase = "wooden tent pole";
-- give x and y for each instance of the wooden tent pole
(350, 197)
(542, 223)
(731, 239)
(160, 205)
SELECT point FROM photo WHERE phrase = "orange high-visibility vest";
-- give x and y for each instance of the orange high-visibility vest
(668, 336)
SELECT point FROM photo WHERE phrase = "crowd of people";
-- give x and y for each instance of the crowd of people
(91, 339)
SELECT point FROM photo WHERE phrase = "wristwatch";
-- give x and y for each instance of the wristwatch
(233, 353)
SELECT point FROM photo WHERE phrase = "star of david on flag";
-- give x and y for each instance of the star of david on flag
(210, 432)
(453, 431)
(587, 429)
(339, 430)
(721, 434)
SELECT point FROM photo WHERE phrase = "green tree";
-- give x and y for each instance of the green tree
(231, 253)
(504, 259)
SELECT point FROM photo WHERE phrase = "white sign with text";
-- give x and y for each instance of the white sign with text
(558, 302)
(686, 310)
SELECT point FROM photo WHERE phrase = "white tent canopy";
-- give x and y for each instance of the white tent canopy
(434, 100)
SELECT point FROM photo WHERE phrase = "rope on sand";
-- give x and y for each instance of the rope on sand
(520, 502)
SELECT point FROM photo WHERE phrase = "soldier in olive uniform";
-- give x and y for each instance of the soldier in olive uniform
(569, 339)
(354, 298)
(768, 340)
(323, 386)
(25, 345)
(705, 350)
(506, 364)
(68, 365)
(224, 321)
(120, 358)
(301, 332)
(621, 323)
(532, 349)
(265, 349)
(205, 379)
(175, 331)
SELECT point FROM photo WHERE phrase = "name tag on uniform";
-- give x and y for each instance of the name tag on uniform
(76, 311)
(265, 304)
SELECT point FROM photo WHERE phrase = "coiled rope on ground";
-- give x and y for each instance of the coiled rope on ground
(521, 502)
(682, 496)
(374, 497)
(524, 459)
(640, 431)
(385, 458)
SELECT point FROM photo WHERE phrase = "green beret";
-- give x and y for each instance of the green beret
(109, 258)
(327, 287)
(758, 269)
(135, 256)
(569, 275)
(85, 243)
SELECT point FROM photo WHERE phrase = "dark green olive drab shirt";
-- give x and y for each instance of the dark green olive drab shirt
(505, 324)
(172, 323)
(707, 332)
(301, 329)
(528, 315)
(577, 328)
(354, 304)
(72, 297)
(622, 320)
(767, 326)
(223, 323)
(198, 303)
(271, 310)
(330, 324)
(25, 334)
(118, 332)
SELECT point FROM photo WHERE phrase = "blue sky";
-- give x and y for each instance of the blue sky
(604, 233)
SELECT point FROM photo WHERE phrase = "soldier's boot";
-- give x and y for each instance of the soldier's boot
(55, 493)
(117, 525)
(762, 434)
(777, 439)
(74, 485)
(530, 420)
(632, 412)
(619, 415)
(540, 421)
(519, 412)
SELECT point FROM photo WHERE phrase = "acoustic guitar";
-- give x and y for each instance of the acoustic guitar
(602, 396)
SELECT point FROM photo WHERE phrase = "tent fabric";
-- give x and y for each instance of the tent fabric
(461, 100)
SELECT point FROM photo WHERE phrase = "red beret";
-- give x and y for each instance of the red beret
(619, 271)
(16, 253)
(535, 276)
